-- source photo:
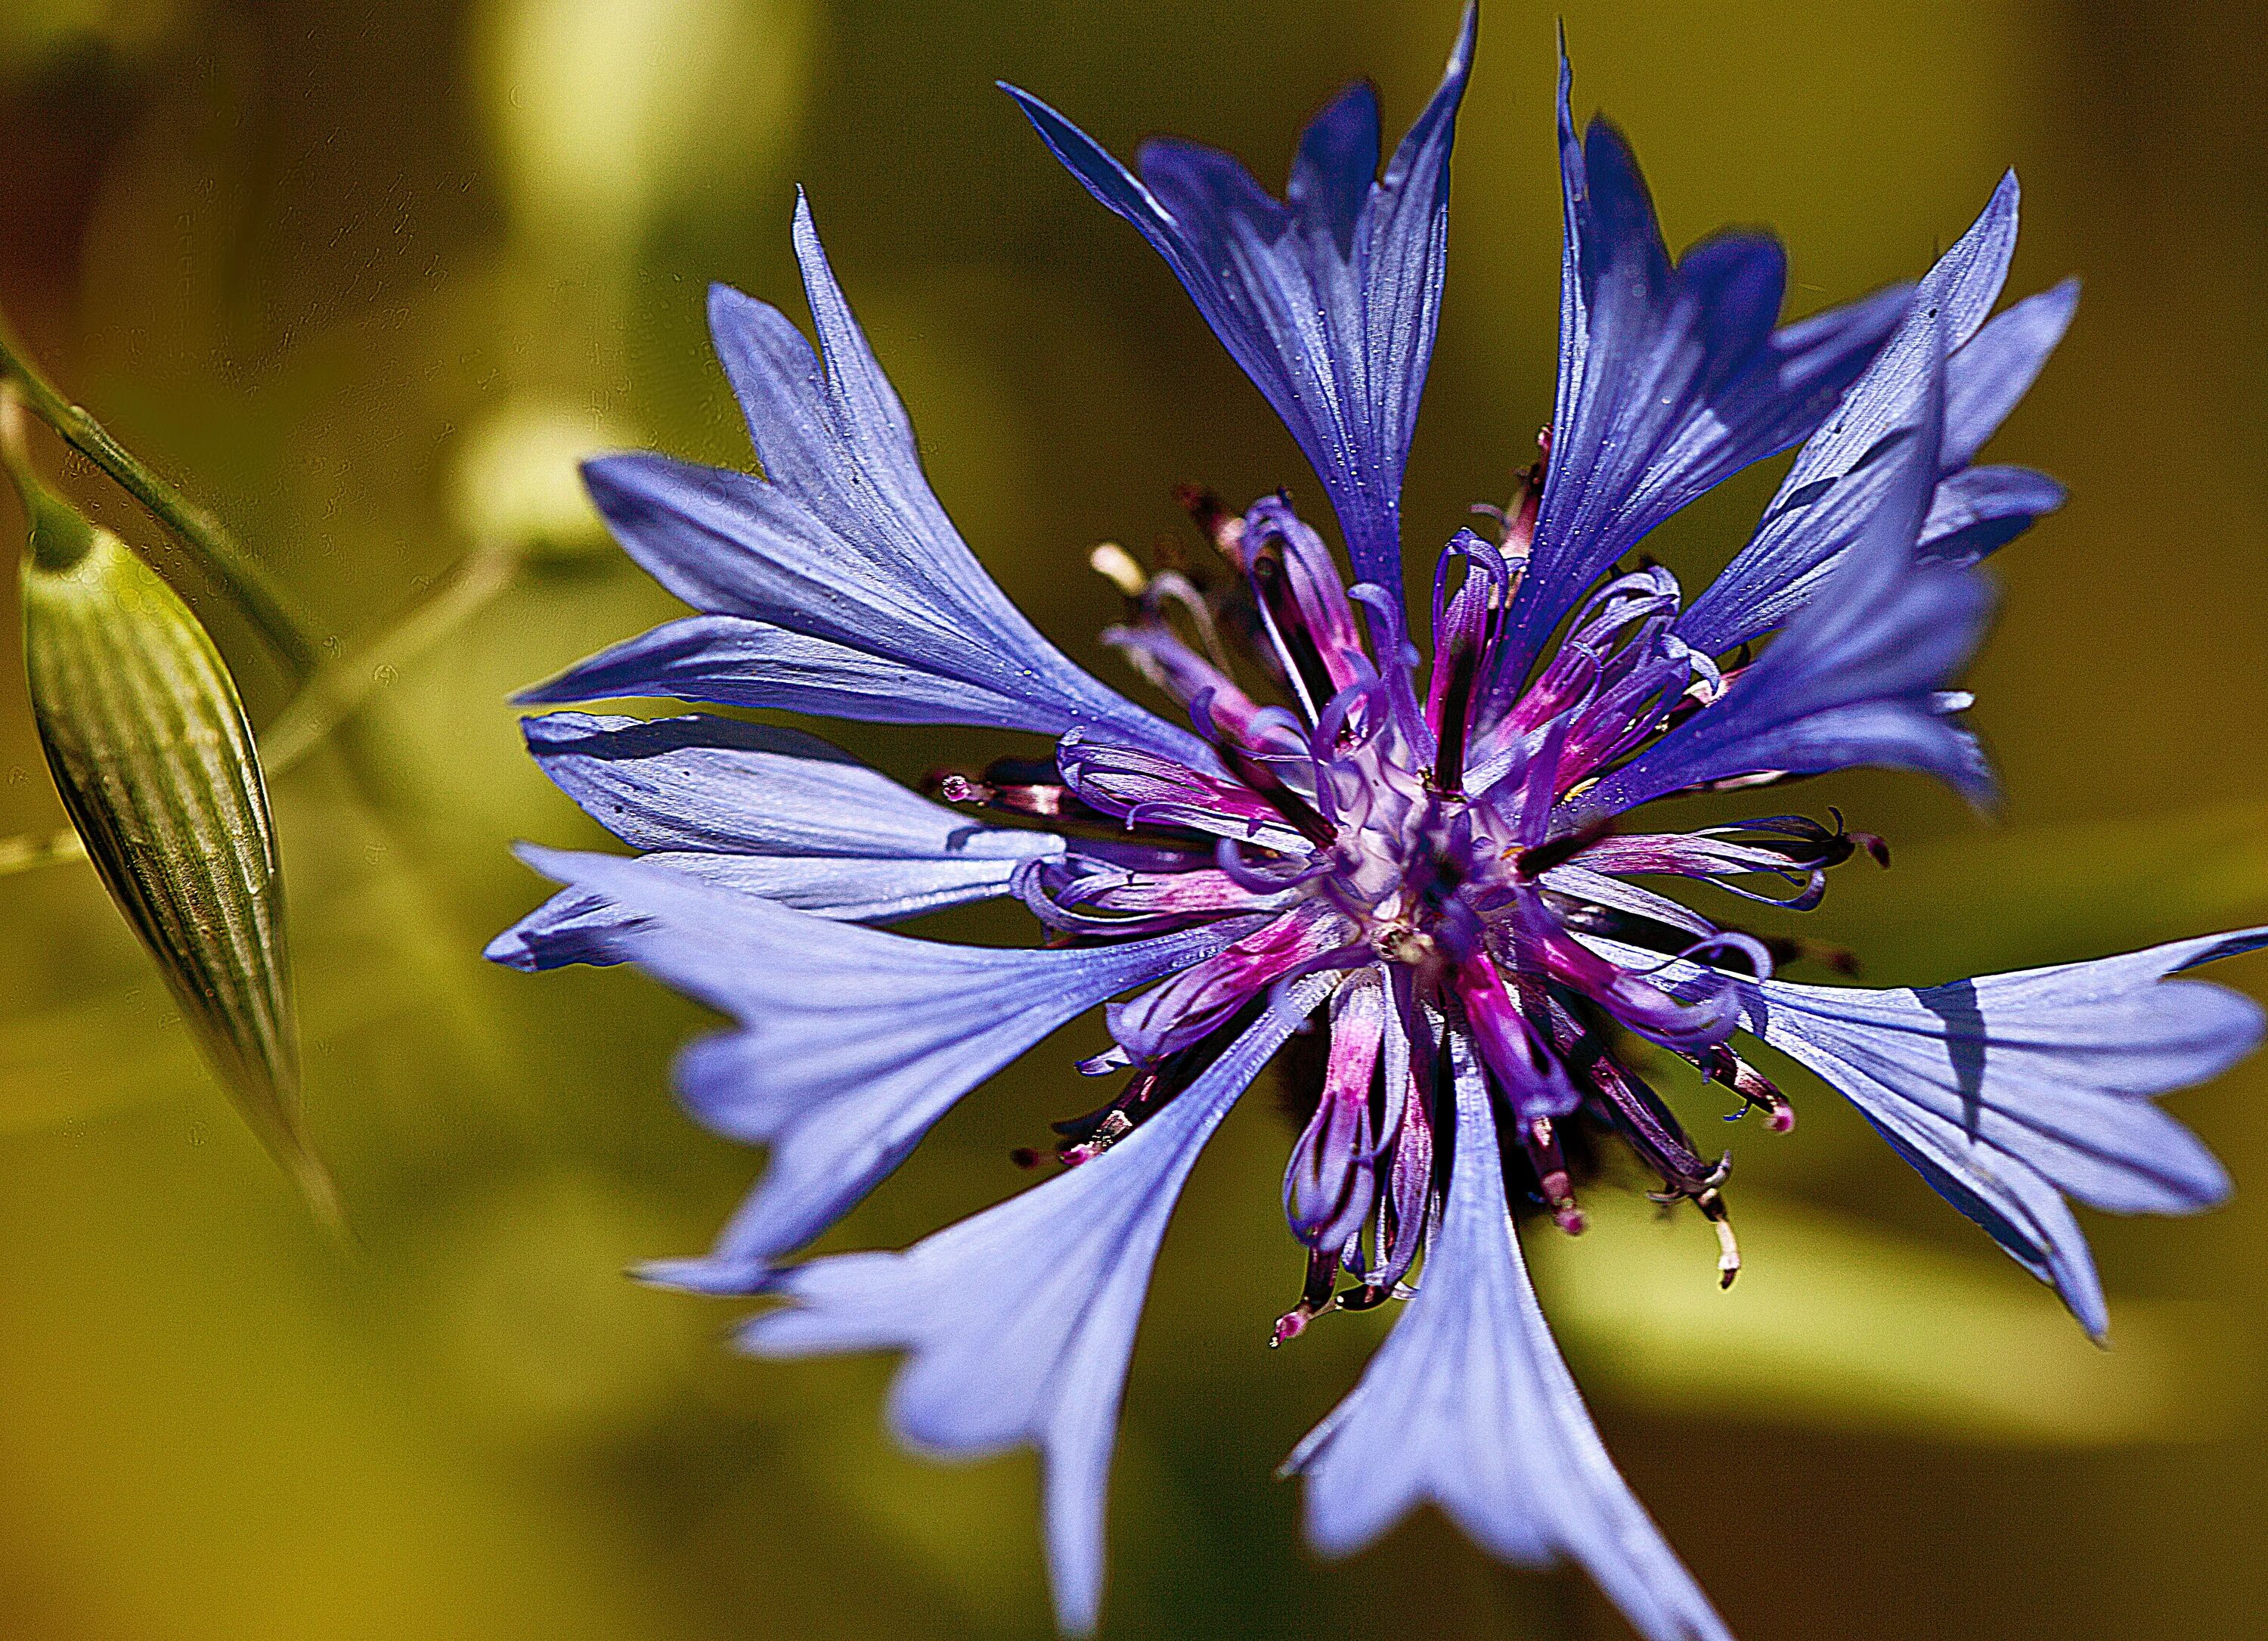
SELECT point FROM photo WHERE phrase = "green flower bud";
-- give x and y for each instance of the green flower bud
(156, 764)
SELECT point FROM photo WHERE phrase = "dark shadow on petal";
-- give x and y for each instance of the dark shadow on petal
(616, 739)
(1955, 1003)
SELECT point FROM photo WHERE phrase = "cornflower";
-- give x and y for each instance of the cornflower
(1439, 864)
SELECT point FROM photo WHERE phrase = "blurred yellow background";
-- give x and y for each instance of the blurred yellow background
(369, 278)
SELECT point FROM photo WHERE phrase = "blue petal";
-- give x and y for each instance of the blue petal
(706, 783)
(1671, 377)
(1857, 675)
(765, 810)
(2013, 1091)
(854, 1042)
(1980, 510)
(1469, 1404)
(737, 662)
(1328, 299)
(1020, 1320)
(573, 927)
(1989, 372)
(1841, 474)
(842, 541)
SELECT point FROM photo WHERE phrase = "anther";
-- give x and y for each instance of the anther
(1543, 1146)
(1014, 786)
(1527, 500)
(1086, 1138)
(1755, 1088)
(1698, 694)
(1712, 1204)
(1114, 1126)
(1115, 564)
(1315, 1296)
(1268, 785)
(1369, 1296)
(1224, 529)
(1288, 626)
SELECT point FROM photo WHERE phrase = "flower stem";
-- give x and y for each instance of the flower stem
(338, 689)
(264, 599)
(24, 853)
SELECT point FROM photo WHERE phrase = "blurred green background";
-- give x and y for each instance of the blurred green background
(369, 278)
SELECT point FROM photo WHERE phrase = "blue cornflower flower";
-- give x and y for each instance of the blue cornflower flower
(1438, 860)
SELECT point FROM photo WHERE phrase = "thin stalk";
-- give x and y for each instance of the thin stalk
(264, 599)
(339, 688)
(335, 693)
(26, 853)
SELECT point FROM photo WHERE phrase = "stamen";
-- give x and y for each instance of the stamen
(1370, 1295)
(1456, 705)
(1630, 927)
(1086, 1138)
(1756, 1089)
(1315, 1296)
(1268, 785)
(1115, 564)
(1532, 863)
(1694, 699)
(1114, 1126)
(1174, 587)
(1543, 1146)
(1224, 529)
(1712, 1204)
(1014, 786)
(1526, 500)
(1288, 629)
(1650, 1128)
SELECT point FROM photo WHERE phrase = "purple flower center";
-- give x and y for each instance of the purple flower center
(1431, 831)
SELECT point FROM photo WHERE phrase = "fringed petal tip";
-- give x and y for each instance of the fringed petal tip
(834, 583)
(512, 949)
(650, 666)
(564, 689)
(851, 1042)
(724, 1278)
(1040, 1360)
(1672, 377)
(1327, 299)
(559, 865)
(1989, 361)
(2011, 1092)
(1469, 1406)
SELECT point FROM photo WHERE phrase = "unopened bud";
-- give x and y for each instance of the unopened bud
(156, 765)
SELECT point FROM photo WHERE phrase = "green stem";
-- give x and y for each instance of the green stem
(338, 689)
(264, 599)
(26, 853)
